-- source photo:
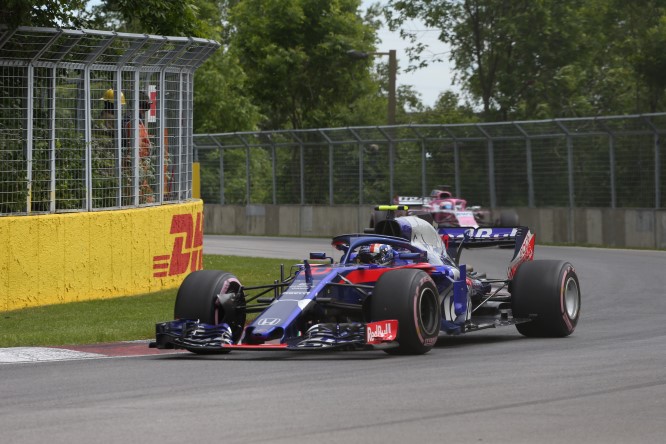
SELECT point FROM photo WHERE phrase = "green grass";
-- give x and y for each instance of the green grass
(119, 319)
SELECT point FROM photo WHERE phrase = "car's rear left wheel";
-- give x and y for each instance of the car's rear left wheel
(549, 292)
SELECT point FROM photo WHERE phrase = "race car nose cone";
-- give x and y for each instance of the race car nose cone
(261, 334)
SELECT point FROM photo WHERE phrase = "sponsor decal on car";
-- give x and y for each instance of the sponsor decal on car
(382, 331)
(466, 219)
(269, 321)
(430, 341)
(525, 253)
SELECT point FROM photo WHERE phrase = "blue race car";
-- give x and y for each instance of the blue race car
(396, 288)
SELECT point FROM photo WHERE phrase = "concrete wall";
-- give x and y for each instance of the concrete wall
(56, 258)
(285, 220)
(630, 228)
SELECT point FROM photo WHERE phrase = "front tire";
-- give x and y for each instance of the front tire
(409, 296)
(212, 297)
(548, 290)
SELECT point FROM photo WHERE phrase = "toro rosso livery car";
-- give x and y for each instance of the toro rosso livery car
(397, 289)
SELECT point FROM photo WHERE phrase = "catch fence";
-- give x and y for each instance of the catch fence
(70, 142)
(613, 161)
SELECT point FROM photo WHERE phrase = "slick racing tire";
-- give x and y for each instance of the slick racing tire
(549, 292)
(212, 297)
(409, 296)
(377, 216)
(508, 218)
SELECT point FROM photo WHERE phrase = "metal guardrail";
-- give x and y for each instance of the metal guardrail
(613, 161)
(68, 144)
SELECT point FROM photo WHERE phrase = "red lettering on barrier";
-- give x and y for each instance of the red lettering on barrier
(187, 252)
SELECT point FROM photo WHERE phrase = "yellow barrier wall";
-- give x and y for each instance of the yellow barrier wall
(56, 258)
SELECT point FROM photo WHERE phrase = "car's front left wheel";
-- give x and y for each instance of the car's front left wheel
(212, 297)
(409, 296)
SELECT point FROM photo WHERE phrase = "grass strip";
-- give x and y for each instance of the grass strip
(119, 319)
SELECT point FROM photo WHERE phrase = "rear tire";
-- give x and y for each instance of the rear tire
(508, 218)
(376, 217)
(198, 299)
(548, 289)
(409, 296)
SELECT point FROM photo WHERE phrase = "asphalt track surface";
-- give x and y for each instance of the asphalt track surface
(604, 384)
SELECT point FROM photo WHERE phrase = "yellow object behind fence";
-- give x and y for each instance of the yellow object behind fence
(196, 180)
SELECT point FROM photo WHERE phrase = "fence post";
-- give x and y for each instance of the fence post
(247, 169)
(135, 137)
(530, 172)
(423, 167)
(657, 163)
(611, 156)
(360, 165)
(391, 153)
(29, 133)
(330, 165)
(491, 167)
(657, 176)
(88, 136)
(302, 169)
(456, 161)
(570, 230)
(391, 166)
(178, 162)
(456, 165)
(274, 167)
(219, 147)
(160, 137)
(52, 144)
(360, 173)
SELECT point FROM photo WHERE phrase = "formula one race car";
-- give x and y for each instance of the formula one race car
(396, 289)
(445, 210)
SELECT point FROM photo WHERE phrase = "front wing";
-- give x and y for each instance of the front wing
(198, 336)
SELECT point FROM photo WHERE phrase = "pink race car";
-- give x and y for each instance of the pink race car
(449, 211)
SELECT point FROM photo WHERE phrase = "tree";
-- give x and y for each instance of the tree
(449, 108)
(44, 13)
(548, 58)
(160, 17)
(294, 53)
(500, 50)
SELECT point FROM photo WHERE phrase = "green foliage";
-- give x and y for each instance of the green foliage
(220, 101)
(294, 53)
(46, 13)
(448, 109)
(160, 17)
(548, 58)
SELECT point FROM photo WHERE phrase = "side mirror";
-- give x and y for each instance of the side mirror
(320, 256)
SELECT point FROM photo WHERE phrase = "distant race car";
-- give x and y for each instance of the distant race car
(445, 210)
(396, 289)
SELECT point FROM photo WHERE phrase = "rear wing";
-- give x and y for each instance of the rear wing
(520, 238)
(412, 201)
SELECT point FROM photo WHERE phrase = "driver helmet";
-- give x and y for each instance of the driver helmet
(447, 205)
(380, 254)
